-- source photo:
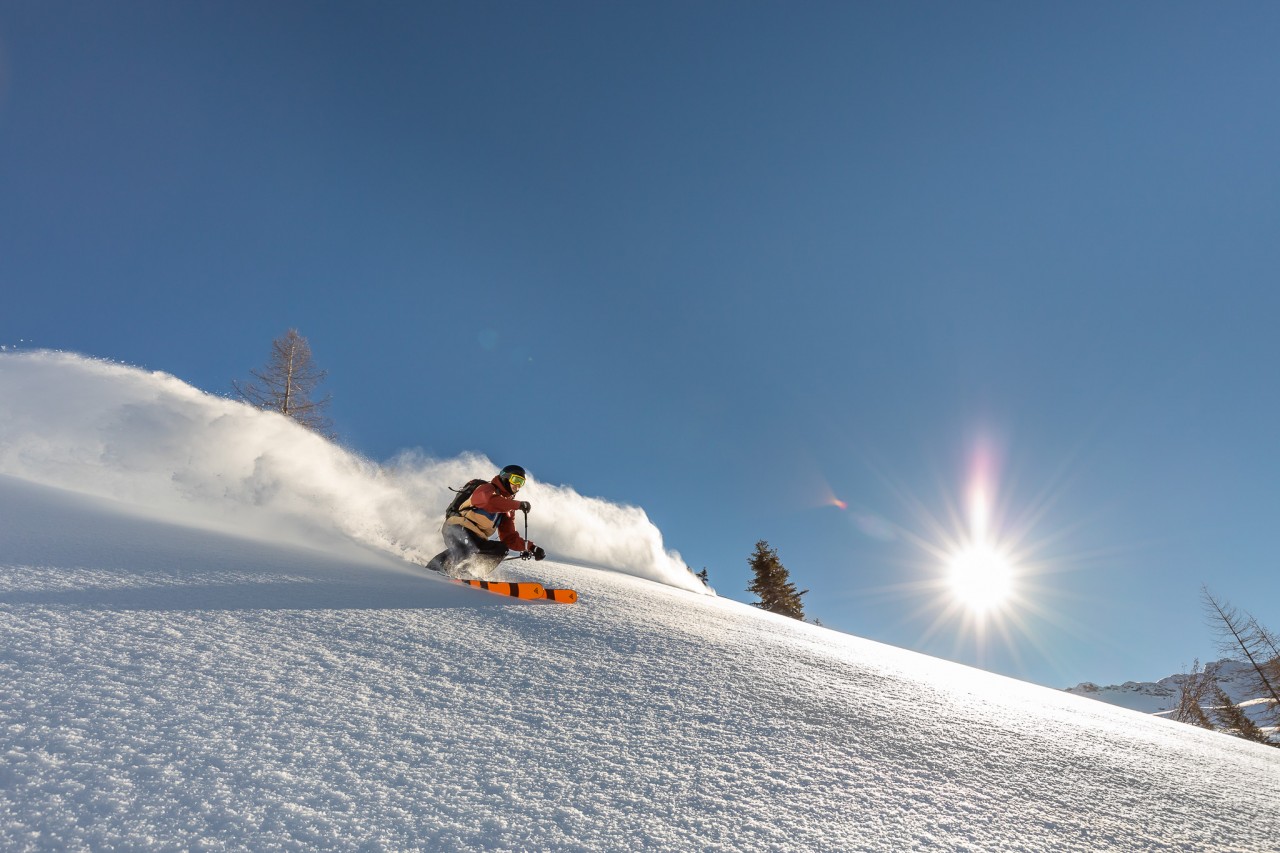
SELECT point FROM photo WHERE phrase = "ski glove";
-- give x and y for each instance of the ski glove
(538, 553)
(525, 506)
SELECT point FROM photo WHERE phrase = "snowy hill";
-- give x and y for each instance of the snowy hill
(203, 652)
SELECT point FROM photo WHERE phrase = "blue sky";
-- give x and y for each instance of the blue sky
(730, 262)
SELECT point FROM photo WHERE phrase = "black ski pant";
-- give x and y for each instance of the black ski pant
(466, 552)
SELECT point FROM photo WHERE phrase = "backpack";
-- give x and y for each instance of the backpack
(461, 497)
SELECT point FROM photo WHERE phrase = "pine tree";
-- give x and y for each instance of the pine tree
(287, 383)
(1233, 719)
(702, 576)
(772, 583)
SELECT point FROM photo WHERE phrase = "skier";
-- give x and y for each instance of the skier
(490, 507)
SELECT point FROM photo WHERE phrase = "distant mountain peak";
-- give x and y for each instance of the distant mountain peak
(1158, 697)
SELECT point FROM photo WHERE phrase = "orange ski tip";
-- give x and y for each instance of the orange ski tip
(564, 596)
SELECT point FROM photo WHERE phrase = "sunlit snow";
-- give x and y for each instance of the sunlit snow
(211, 642)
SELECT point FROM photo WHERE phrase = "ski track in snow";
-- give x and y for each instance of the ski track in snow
(172, 689)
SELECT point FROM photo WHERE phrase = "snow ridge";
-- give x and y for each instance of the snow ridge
(151, 440)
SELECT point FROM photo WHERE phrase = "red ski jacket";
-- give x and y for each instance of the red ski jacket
(490, 508)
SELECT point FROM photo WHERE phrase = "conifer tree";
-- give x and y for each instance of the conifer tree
(287, 383)
(772, 583)
(1233, 719)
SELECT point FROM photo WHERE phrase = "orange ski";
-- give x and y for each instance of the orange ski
(528, 590)
(564, 596)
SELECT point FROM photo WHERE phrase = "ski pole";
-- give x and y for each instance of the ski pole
(523, 555)
(526, 533)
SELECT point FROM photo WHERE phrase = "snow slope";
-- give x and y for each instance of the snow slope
(172, 683)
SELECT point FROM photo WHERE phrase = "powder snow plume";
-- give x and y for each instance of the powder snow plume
(150, 440)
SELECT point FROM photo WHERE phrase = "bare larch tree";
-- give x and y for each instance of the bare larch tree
(1241, 633)
(1195, 690)
(287, 382)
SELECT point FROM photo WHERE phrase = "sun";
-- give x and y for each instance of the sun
(981, 573)
(980, 577)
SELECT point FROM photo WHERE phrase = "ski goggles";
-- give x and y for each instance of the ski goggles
(515, 480)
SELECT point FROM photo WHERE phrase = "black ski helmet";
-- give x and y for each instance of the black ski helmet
(505, 477)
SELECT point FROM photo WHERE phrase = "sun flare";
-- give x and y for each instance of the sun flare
(980, 577)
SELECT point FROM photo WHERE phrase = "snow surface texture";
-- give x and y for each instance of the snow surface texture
(175, 688)
(154, 441)
(171, 686)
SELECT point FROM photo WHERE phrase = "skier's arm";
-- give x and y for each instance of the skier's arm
(510, 536)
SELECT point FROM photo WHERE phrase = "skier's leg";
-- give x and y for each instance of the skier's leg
(489, 555)
(461, 545)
